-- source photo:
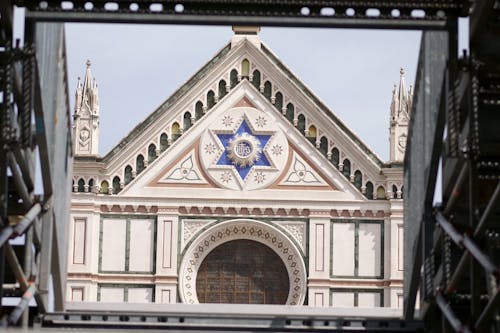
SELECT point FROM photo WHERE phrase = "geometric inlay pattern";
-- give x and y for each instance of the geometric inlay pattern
(258, 231)
(243, 149)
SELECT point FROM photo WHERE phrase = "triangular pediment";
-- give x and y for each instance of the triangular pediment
(244, 145)
(322, 154)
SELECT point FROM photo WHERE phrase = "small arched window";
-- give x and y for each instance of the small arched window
(256, 79)
(151, 153)
(176, 131)
(198, 110)
(139, 164)
(369, 190)
(81, 185)
(127, 174)
(104, 187)
(394, 191)
(290, 113)
(346, 169)
(233, 78)
(402, 192)
(358, 179)
(278, 101)
(210, 99)
(116, 185)
(268, 90)
(91, 184)
(163, 142)
(312, 134)
(323, 145)
(301, 123)
(187, 121)
(380, 193)
(335, 157)
(245, 68)
(222, 89)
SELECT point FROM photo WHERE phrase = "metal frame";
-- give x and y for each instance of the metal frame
(458, 94)
(389, 14)
(28, 139)
(457, 242)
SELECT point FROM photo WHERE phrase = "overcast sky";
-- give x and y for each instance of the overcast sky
(138, 67)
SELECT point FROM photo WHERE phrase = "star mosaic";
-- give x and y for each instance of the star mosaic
(238, 148)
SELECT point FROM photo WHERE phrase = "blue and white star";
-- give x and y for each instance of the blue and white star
(243, 149)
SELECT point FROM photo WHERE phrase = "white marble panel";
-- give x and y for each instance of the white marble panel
(140, 295)
(113, 245)
(165, 296)
(112, 295)
(141, 245)
(77, 294)
(368, 300)
(343, 249)
(167, 244)
(343, 299)
(320, 247)
(79, 239)
(400, 248)
(369, 260)
(319, 299)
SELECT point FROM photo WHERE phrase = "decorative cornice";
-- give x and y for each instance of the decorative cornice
(243, 210)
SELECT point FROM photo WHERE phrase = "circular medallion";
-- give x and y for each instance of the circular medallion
(243, 149)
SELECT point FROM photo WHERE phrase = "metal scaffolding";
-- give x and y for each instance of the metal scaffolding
(456, 242)
(33, 142)
(451, 252)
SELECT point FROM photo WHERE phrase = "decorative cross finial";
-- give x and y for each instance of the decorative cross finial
(88, 63)
(402, 71)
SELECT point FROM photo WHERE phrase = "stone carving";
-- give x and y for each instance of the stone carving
(297, 231)
(191, 227)
(84, 138)
(300, 174)
(185, 171)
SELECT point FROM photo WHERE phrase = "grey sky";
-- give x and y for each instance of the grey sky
(138, 67)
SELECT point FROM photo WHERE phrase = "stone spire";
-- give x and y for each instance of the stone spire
(401, 105)
(86, 116)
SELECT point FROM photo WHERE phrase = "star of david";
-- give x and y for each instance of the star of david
(243, 129)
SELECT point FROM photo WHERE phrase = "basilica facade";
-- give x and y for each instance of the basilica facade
(242, 187)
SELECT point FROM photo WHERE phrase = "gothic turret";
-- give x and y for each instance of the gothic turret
(86, 116)
(400, 115)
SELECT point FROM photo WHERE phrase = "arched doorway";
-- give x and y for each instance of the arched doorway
(264, 234)
(242, 271)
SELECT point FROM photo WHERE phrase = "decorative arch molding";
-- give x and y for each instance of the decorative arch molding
(247, 229)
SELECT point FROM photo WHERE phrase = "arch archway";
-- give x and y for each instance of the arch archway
(230, 275)
(243, 229)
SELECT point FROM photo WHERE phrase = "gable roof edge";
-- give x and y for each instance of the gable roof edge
(323, 107)
(175, 96)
